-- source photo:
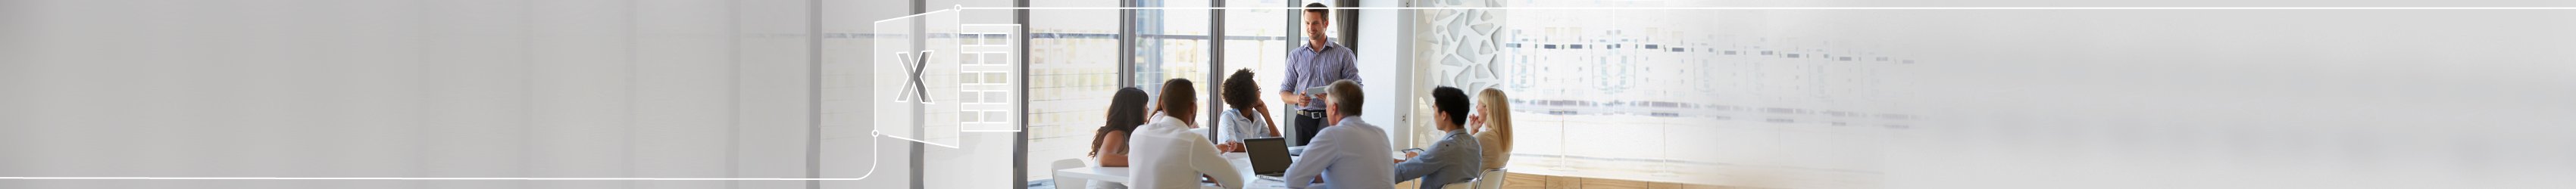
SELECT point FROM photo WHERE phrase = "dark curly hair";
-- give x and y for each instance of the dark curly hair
(1240, 93)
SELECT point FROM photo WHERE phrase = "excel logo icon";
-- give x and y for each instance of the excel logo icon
(917, 92)
(935, 78)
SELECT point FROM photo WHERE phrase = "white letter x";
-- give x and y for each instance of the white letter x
(919, 63)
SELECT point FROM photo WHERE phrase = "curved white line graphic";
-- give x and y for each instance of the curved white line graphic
(873, 136)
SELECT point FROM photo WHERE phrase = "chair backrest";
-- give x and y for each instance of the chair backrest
(1460, 185)
(1068, 183)
(1492, 179)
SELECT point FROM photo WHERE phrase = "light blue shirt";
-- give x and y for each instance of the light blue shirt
(1348, 155)
(1309, 68)
(1241, 126)
(1455, 159)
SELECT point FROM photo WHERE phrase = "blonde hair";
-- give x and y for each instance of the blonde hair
(1498, 115)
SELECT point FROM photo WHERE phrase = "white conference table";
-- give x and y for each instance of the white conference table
(1241, 162)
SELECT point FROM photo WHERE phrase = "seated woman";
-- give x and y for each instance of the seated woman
(1109, 143)
(1456, 157)
(1245, 116)
(1493, 126)
(1172, 156)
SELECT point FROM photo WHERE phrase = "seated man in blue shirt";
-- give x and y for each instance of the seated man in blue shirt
(1456, 157)
(1350, 154)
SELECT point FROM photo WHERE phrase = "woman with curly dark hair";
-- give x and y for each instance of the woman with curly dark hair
(1245, 116)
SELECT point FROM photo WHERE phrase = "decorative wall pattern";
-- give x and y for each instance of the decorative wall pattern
(1461, 45)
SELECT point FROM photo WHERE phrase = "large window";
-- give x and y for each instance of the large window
(1171, 44)
(1073, 70)
(1075, 66)
(1686, 101)
(1256, 39)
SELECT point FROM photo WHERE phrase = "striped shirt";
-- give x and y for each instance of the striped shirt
(1308, 68)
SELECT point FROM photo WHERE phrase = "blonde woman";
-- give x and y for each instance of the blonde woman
(1493, 126)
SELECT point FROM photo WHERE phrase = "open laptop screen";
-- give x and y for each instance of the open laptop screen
(1269, 155)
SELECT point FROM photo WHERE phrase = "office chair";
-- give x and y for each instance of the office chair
(1068, 183)
(1493, 179)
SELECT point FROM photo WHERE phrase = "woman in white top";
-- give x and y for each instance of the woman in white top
(1168, 155)
(1246, 117)
(1109, 143)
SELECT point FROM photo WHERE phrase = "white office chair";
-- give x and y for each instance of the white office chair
(1462, 185)
(1069, 183)
(1493, 179)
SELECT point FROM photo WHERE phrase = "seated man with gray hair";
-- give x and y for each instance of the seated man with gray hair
(1349, 154)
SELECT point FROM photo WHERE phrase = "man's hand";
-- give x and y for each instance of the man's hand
(1292, 98)
(1230, 147)
(1407, 156)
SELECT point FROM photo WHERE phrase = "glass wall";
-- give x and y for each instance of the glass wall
(1255, 39)
(1171, 44)
(1074, 64)
(1722, 99)
(1073, 70)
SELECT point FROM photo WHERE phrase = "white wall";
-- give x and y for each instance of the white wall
(2232, 99)
(650, 88)
(773, 90)
(847, 150)
(1380, 62)
(2070, 98)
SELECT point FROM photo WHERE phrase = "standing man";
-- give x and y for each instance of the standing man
(1319, 63)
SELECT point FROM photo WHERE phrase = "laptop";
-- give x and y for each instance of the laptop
(1269, 155)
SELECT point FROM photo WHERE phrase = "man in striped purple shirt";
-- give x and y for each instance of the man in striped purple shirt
(1319, 63)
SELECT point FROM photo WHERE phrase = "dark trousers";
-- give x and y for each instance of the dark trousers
(1308, 122)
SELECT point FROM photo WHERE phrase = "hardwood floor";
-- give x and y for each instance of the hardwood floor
(1531, 181)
